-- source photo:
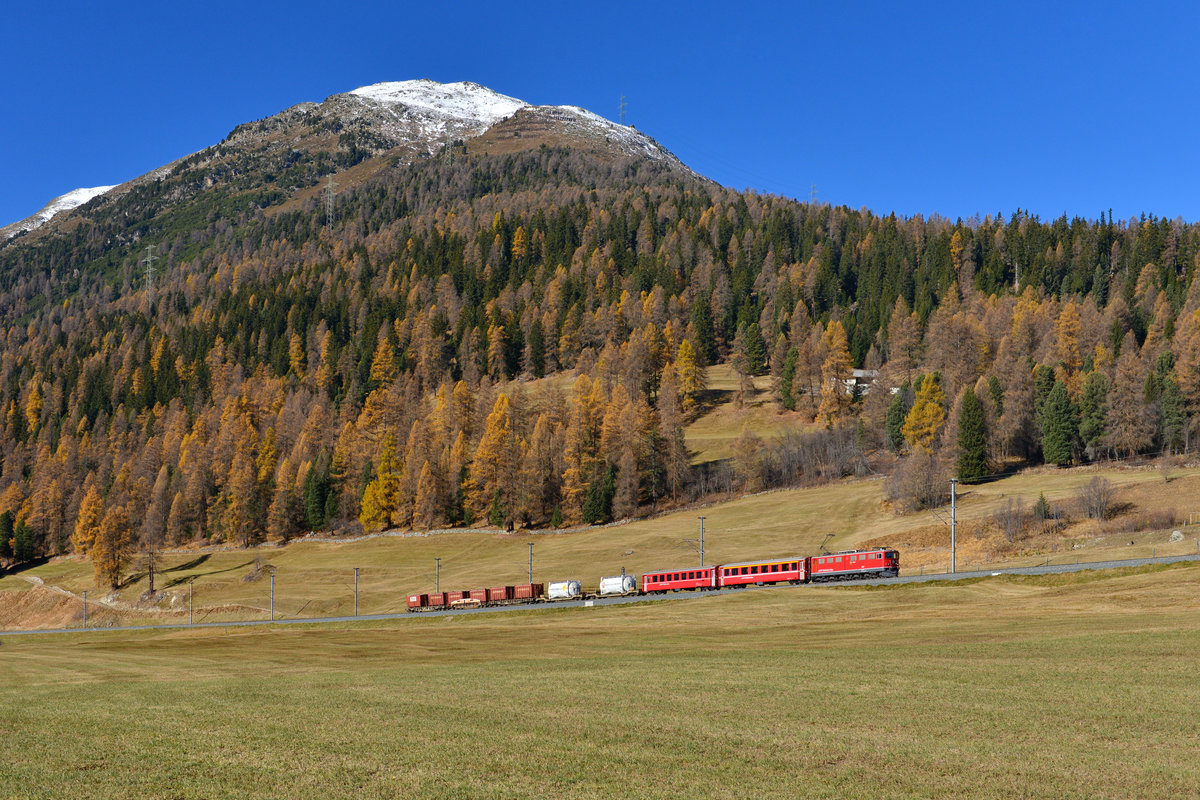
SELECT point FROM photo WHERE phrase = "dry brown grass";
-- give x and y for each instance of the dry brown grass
(316, 578)
(1076, 686)
(711, 434)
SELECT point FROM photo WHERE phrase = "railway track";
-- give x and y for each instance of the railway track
(1046, 569)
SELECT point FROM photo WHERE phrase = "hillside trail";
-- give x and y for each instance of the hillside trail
(110, 602)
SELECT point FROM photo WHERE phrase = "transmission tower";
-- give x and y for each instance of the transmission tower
(812, 194)
(621, 110)
(149, 260)
(329, 194)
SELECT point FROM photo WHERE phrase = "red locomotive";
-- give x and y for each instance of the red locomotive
(852, 564)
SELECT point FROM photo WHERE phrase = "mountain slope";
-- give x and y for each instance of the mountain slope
(357, 134)
(509, 328)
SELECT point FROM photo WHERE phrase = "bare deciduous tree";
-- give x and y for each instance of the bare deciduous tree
(1096, 498)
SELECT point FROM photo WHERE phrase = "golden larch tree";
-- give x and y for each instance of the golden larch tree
(492, 470)
(87, 524)
(112, 548)
(926, 416)
(690, 376)
(836, 372)
(380, 497)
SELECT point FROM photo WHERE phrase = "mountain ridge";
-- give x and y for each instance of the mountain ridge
(402, 120)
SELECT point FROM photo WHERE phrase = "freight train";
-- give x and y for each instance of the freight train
(846, 565)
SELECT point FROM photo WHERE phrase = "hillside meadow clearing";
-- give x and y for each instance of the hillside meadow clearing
(316, 578)
(1076, 686)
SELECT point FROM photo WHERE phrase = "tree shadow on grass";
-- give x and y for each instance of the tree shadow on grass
(708, 399)
(186, 578)
(195, 562)
(25, 565)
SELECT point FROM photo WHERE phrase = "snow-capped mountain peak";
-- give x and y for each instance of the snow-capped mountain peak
(425, 112)
(58, 205)
(462, 100)
(405, 119)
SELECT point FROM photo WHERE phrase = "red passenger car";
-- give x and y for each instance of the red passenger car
(674, 580)
(776, 570)
(852, 564)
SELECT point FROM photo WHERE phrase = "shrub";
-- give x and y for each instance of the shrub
(918, 482)
(1011, 518)
(1096, 498)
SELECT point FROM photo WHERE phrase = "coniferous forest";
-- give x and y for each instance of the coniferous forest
(519, 340)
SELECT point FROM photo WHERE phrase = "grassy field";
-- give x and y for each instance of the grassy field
(711, 435)
(316, 578)
(1081, 686)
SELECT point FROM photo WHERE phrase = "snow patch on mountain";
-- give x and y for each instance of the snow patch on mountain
(463, 100)
(58, 205)
(434, 113)
(631, 140)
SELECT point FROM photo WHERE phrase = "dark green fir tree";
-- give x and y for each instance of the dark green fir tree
(972, 439)
(1093, 413)
(894, 423)
(1059, 426)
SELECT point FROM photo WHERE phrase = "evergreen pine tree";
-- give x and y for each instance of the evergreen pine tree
(756, 350)
(996, 390)
(1059, 426)
(1174, 419)
(24, 547)
(6, 534)
(316, 490)
(702, 327)
(1043, 383)
(972, 439)
(537, 349)
(597, 507)
(1093, 413)
(1041, 509)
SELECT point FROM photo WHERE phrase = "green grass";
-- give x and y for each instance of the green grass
(1082, 687)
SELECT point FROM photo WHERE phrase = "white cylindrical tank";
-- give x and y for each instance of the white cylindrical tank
(619, 584)
(564, 590)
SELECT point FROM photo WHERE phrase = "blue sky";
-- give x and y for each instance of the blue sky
(915, 108)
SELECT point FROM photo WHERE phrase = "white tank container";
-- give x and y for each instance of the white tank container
(619, 584)
(564, 590)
